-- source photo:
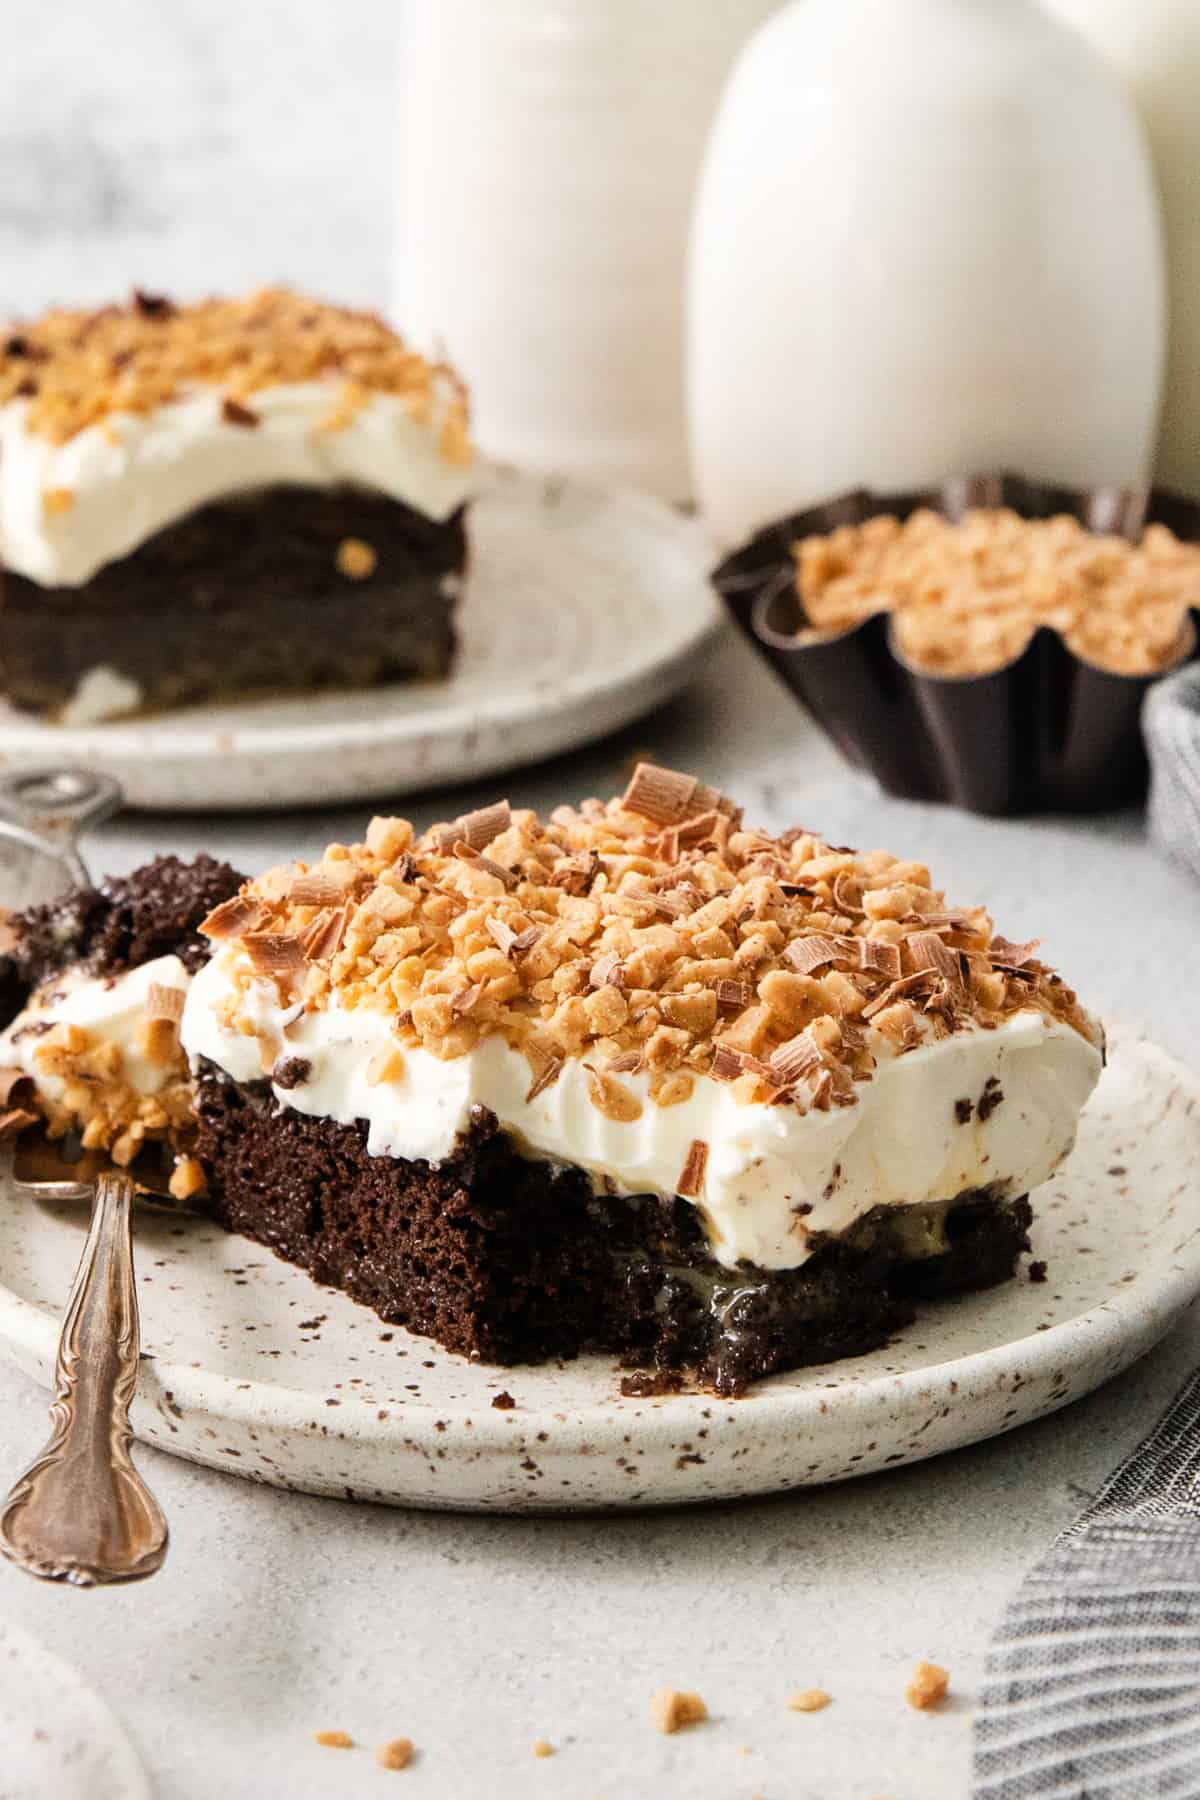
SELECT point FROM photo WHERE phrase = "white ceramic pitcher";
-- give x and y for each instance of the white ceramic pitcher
(926, 242)
(1155, 45)
(548, 155)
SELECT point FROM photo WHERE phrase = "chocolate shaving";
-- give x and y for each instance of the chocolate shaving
(274, 952)
(11, 1083)
(667, 844)
(667, 797)
(675, 903)
(466, 998)
(726, 1064)
(525, 940)
(733, 996)
(235, 917)
(607, 971)
(694, 831)
(575, 873)
(315, 889)
(164, 1002)
(405, 867)
(547, 1075)
(234, 413)
(929, 950)
(476, 858)
(877, 957)
(822, 1092)
(477, 829)
(501, 934)
(14, 1121)
(625, 1063)
(792, 1061)
(691, 1176)
(847, 895)
(323, 937)
(815, 951)
(907, 984)
(1006, 955)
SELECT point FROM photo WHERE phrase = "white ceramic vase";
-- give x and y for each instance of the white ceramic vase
(1155, 45)
(548, 156)
(926, 242)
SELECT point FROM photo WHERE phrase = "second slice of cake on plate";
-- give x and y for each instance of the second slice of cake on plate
(248, 496)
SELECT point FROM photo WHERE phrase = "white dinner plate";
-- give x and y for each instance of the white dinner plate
(61, 1742)
(254, 1369)
(583, 609)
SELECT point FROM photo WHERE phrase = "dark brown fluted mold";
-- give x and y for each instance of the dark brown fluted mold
(1048, 732)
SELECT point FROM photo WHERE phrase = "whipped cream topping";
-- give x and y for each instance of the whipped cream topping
(110, 1008)
(775, 1176)
(117, 482)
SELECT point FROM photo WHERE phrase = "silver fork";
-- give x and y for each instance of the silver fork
(81, 1512)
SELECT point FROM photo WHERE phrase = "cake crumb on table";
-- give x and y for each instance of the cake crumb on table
(334, 1740)
(672, 1710)
(542, 1747)
(396, 1754)
(808, 1700)
(929, 1685)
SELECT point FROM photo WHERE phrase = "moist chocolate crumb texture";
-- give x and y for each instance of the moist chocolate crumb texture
(235, 496)
(633, 1078)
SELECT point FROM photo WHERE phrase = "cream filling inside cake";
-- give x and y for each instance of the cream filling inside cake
(774, 1176)
(110, 1008)
(68, 509)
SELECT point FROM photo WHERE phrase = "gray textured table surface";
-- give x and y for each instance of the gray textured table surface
(278, 1615)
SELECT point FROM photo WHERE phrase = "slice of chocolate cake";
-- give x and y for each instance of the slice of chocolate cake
(237, 497)
(634, 1079)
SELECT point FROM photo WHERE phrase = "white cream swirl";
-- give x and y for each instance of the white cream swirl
(132, 474)
(774, 1175)
(110, 1008)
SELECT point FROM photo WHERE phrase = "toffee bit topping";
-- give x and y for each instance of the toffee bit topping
(356, 559)
(235, 918)
(476, 829)
(274, 952)
(691, 1177)
(783, 966)
(506, 877)
(163, 1002)
(610, 1098)
(733, 996)
(929, 950)
(234, 413)
(79, 367)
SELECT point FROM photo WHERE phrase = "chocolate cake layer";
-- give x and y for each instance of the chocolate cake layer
(289, 588)
(126, 921)
(514, 1260)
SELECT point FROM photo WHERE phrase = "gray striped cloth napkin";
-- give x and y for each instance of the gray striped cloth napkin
(1092, 1689)
(1171, 722)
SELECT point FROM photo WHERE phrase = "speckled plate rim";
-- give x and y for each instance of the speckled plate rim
(308, 750)
(691, 1446)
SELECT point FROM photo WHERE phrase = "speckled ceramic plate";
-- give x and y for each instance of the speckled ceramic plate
(61, 1742)
(584, 608)
(252, 1368)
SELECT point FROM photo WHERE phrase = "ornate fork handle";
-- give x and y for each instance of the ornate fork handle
(81, 1512)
